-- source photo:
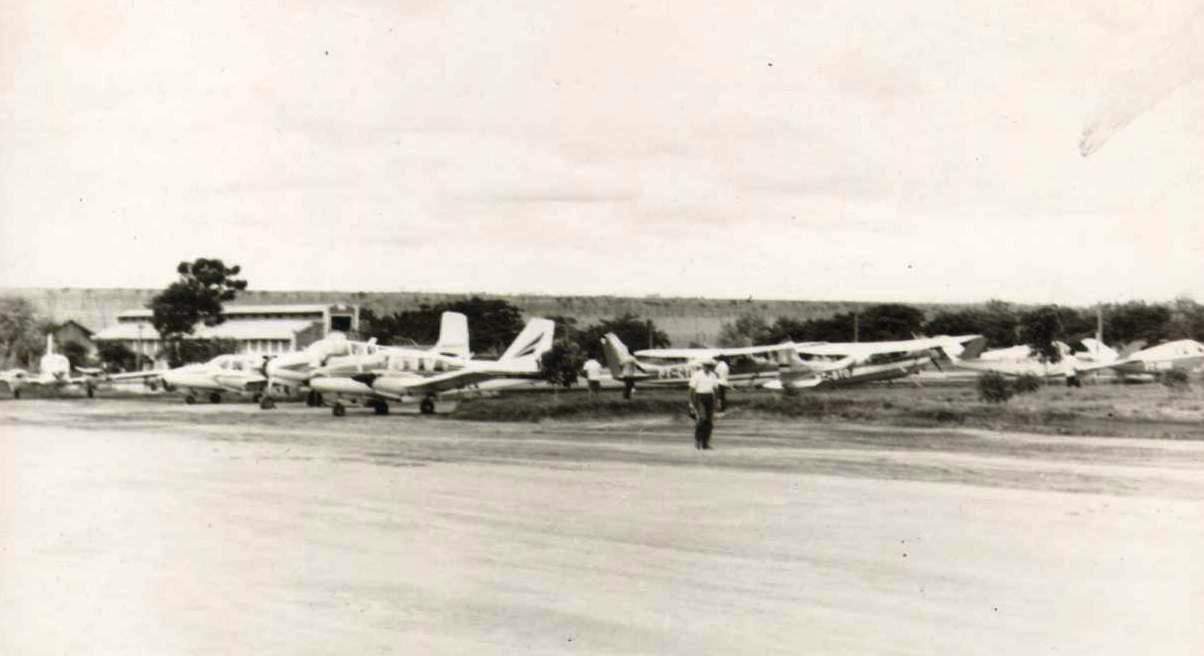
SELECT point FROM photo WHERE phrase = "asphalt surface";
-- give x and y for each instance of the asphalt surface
(134, 527)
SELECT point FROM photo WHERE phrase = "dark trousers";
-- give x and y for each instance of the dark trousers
(705, 421)
(721, 398)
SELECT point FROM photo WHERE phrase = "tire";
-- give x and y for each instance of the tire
(311, 399)
(214, 397)
(17, 394)
(338, 409)
(427, 407)
(267, 403)
(190, 399)
(381, 408)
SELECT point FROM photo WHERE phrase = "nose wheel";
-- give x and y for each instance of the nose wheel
(380, 408)
(427, 407)
(190, 399)
(214, 397)
(267, 402)
(338, 409)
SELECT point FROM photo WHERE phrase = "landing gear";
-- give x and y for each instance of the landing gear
(214, 397)
(380, 407)
(427, 407)
(17, 394)
(190, 399)
(90, 390)
(313, 399)
(338, 409)
(266, 402)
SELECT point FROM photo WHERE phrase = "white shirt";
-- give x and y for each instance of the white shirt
(592, 369)
(704, 382)
(721, 370)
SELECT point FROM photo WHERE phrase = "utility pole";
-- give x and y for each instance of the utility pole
(856, 326)
(1099, 322)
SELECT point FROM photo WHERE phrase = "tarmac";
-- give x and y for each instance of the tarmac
(147, 526)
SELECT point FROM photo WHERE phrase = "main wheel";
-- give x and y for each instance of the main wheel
(214, 397)
(91, 391)
(17, 394)
(427, 407)
(267, 403)
(190, 399)
(338, 409)
(381, 408)
(311, 399)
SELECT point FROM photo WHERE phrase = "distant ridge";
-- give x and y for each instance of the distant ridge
(685, 320)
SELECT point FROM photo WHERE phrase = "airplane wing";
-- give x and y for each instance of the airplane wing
(422, 385)
(705, 353)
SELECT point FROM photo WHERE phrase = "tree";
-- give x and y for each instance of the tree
(1040, 329)
(890, 321)
(996, 320)
(562, 363)
(1129, 322)
(492, 324)
(196, 297)
(21, 336)
(1186, 320)
(746, 330)
(637, 333)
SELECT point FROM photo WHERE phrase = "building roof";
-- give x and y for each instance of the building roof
(77, 324)
(277, 329)
(235, 310)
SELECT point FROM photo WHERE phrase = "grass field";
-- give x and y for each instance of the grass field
(1107, 409)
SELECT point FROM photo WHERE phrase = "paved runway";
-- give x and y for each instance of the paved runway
(134, 527)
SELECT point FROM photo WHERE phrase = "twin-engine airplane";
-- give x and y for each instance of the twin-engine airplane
(295, 370)
(403, 375)
(54, 372)
(225, 374)
(1181, 355)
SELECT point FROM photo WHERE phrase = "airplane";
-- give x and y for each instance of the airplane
(294, 370)
(405, 374)
(1181, 355)
(225, 374)
(54, 371)
(850, 363)
(749, 363)
(1020, 360)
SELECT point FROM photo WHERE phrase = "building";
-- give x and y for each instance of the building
(259, 329)
(73, 331)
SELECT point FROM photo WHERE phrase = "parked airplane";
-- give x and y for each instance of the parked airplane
(849, 363)
(225, 374)
(54, 372)
(294, 370)
(749, 365)
(1181, 355)
(1022, 361)
(407, 374)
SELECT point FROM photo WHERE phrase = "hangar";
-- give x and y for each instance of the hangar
(259, 329)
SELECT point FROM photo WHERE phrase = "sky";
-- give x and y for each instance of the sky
(853, 150)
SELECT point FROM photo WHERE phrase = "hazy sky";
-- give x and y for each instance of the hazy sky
(828, 150)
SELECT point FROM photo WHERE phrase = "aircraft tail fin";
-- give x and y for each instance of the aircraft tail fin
(971, 350)
(534, 340)
(453, 336)
(1099, 351)
(617, 355)
(1132, 347)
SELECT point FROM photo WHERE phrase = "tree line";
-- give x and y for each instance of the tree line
(203, 285)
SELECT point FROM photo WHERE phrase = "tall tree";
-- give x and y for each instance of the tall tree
(1040, 329)
(21, 335)
(195, 297)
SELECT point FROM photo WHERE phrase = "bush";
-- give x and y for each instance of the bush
(993, 387)
(1176, 380)
(1027, 384)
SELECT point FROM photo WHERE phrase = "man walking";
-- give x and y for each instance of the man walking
(702, 401)
(593, 376)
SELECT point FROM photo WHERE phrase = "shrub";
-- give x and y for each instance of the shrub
(1176, 380)
(1026, 384)
(994, 388)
